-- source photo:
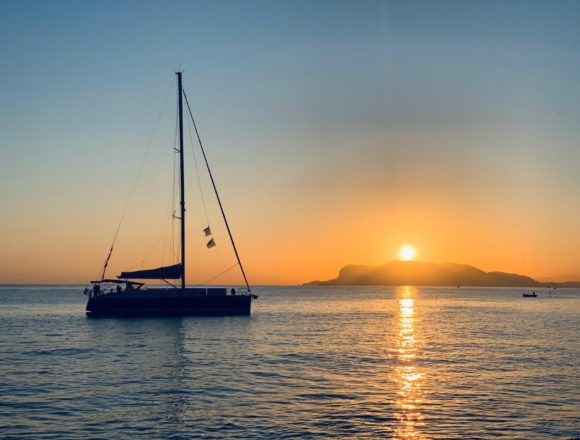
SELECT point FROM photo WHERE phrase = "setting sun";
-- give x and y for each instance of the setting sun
(407, 252)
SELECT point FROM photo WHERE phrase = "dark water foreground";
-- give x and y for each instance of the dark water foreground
(310, 362)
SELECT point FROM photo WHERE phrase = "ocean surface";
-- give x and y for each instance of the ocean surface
(311, 362)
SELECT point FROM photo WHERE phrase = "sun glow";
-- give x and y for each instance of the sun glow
(407, 253)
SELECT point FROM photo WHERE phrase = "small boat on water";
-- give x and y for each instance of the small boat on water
(124, 296)
(530, 295)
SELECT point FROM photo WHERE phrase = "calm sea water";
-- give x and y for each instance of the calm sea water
(310, 362)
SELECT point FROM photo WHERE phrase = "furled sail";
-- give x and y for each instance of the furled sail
(160, 273)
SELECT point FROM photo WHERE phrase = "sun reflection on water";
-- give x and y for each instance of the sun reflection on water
(407, 375)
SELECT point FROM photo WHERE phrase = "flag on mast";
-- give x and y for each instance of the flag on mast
(211, 243)
(207, 231)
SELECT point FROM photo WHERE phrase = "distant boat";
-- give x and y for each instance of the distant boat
(124, 296)
(530, 295)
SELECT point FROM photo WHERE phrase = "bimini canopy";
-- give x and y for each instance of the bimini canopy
(161, 273)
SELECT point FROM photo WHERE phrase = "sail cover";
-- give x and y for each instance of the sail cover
(160, 273)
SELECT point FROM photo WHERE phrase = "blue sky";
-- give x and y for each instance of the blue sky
(310, 108)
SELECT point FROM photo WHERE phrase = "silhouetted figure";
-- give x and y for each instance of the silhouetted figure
(233, 291)
(119, 289)
(96, 289)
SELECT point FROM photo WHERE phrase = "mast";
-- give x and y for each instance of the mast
(181, 177)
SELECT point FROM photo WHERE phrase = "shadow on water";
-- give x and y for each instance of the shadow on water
(165, 361)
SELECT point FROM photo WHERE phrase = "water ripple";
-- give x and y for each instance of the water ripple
(310, 363)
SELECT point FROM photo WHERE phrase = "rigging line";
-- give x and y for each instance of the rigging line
(167, 217)
(168, 240)
(136, 180)
(172, 247)
(197, 172)
(174, 238)
(216, 192)
(160, 238)
(171, 217)
(219, 274)
(197, 175)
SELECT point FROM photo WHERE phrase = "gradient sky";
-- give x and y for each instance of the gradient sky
(338, 131)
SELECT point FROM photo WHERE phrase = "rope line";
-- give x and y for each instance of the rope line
(135, 182)
(219, 274)
(200, 187)
(216, 192)
(197, 172)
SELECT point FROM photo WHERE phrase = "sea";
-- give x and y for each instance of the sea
(310, 362)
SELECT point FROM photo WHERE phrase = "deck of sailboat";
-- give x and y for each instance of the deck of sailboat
(170, 302)
(165, 292)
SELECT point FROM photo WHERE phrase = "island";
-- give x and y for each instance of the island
(416, 273)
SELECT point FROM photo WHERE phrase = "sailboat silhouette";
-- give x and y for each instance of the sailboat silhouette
(178, 300)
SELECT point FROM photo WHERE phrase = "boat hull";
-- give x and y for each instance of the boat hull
(169, 305)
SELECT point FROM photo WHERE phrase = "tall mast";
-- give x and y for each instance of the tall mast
(181, 177)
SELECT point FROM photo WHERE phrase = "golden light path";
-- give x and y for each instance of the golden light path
(408, 377)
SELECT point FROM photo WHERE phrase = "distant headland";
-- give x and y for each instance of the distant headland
(415, 273)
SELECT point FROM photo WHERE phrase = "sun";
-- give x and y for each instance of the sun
(407, 252)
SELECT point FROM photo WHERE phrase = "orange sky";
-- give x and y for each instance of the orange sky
(300, 226)
(335, 137)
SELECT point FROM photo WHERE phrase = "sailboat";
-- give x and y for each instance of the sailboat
(127, 295)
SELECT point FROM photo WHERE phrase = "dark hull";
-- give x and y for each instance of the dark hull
(182, 305)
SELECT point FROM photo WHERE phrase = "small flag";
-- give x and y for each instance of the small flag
(207, 231)
(211, 243)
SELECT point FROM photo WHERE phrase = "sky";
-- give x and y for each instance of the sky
(338, 131)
